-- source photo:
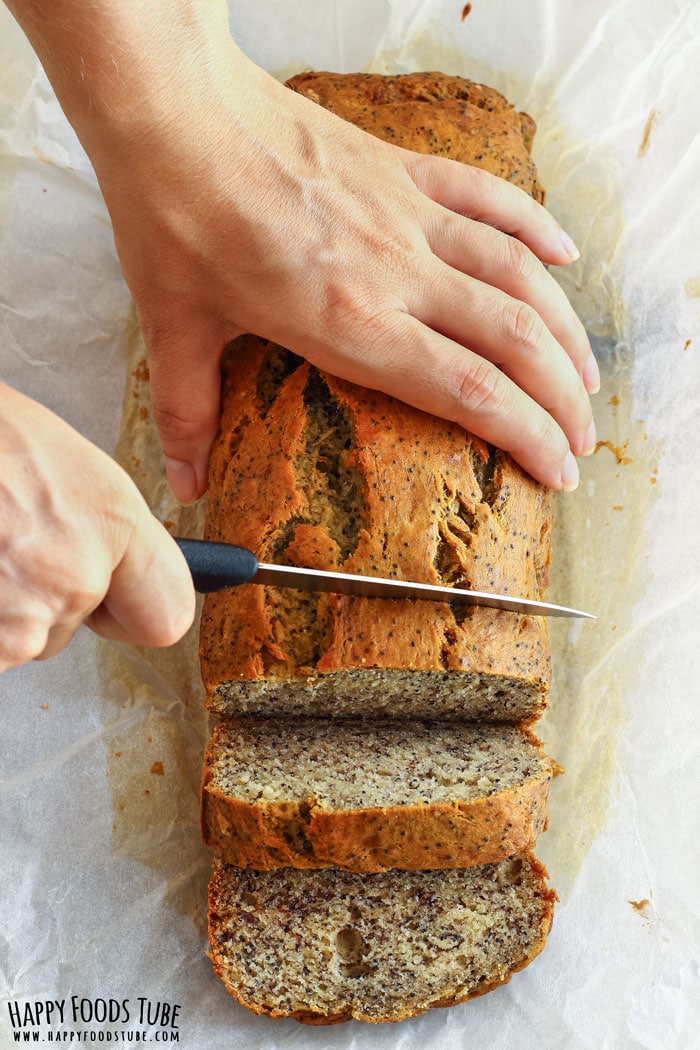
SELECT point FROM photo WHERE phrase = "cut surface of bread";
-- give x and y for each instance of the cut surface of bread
(371, 796)
(326, 946)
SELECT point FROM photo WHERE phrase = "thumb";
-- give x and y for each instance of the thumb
(151, 599)
(185, 396)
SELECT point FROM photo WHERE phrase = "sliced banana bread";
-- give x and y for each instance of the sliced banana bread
(326, 946)
(371, 796)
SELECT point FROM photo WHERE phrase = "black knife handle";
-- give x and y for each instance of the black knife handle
(215, 566)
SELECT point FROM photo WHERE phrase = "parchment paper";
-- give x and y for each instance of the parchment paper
(103, 878)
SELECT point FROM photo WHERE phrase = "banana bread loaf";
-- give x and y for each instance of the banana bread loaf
(311, 470)
(326, 946)
(367, 796)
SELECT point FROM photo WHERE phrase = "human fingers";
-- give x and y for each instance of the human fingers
(511, 335)
(150, 600)
(71, 522)
(480, 195)
(57, 638)
(504, 262)
(184, 353)
(406, 358)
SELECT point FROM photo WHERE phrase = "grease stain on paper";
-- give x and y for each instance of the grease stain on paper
(646, 135)
(596, 558)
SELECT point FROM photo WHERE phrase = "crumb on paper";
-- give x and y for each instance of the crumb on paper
(118, 754)
(44, 707)
(645, 908)
(466, 10)
(143, 413)
(687, 345)
(619, 507)
(141, 373)
(646, 137)
(158, 769)
(614, 401)
(618, 451)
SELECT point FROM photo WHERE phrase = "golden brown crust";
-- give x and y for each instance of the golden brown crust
(436, 505)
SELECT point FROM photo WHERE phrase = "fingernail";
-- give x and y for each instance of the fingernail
(182, 480)
(589, 440)
(591, 375)
(569, 247)
(569, 473)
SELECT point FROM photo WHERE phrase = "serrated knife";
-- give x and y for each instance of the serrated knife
(216, 566)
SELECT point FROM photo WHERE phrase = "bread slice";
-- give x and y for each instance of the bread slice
(371, 796)
(326, 946)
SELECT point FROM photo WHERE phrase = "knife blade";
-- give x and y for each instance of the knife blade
(216, 566)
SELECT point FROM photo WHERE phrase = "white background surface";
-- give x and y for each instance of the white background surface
(103, 879)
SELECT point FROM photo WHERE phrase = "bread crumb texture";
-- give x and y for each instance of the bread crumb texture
(327, 946)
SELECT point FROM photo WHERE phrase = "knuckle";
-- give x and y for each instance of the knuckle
(24, 640)
(546, 436)
(480, 386)
(174, 423)
(85, 596)
(524, 327)
(375, 336)
(483, 186)
(520, 261)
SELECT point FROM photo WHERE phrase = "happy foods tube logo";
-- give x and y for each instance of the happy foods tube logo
(80, 1019)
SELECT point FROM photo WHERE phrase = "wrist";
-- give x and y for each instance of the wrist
(117, 65)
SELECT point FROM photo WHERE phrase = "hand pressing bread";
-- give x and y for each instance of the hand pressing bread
(239, 206)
